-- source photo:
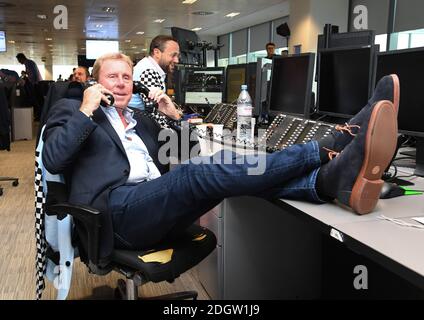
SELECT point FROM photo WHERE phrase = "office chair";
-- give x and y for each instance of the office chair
(5, 132)
(164, 261)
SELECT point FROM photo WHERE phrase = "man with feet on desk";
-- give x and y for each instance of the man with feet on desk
(109, 156)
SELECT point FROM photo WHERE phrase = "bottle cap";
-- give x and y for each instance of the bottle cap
(244, 87)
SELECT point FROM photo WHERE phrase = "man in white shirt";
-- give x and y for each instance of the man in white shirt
(152, 70)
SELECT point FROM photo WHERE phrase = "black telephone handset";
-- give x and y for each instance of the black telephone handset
(150, 105)
(110, 97)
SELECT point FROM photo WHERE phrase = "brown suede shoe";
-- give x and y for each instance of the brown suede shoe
(354, 176)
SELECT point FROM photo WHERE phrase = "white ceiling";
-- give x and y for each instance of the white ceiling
(19, 19)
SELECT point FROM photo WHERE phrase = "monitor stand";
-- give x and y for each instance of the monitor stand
(419, 156)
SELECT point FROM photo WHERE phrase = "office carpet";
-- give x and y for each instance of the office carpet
(17, 243)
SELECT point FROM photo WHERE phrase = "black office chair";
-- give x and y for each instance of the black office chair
(5, 132)
(163, 262)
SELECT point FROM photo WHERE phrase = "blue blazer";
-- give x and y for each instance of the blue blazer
(92, 158)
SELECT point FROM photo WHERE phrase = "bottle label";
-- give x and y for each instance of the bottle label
(244, 111)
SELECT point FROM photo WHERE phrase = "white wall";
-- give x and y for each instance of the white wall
(308, 17)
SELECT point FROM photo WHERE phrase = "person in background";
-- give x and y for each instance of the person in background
(285, 53)
(81, 74)
(76, 86)
(270, 50)
(34, 76)
(164, 53)
(31, 69)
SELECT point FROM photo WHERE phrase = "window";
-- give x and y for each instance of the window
(381, 40)
(407, 39)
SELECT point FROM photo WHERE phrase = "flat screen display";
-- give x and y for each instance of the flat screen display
(291, 84)
(97, 48)
(345, 80)
(408, 65)
(2, 41)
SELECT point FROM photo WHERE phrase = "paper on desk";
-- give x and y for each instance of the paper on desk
(419, 219)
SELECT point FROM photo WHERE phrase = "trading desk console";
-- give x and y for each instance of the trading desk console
(286, 131)
(283, 132)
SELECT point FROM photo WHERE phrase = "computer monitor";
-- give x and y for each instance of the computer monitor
(291, 84)
(236, 77)
(84, 62)
(346, 39)
(204, 86)
(263, 78)
(332, 40)
(346, 79)
(190, 53)
(2, 41)
(251, 83)
(408, 65)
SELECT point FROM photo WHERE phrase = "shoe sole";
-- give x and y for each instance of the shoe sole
(380, 145)
(396, 92)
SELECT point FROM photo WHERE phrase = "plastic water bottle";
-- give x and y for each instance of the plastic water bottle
(244, 116)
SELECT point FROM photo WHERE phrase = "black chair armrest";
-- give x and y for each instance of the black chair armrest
(89, 218)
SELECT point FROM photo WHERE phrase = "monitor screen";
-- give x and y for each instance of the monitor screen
(96, 48)
(263, 78)
(291, 84)
(409, 66)
(204, 86)
(2, 41)
(186, 39)
(236, 77)
(190, 53)
(345, 81)
(84, 62)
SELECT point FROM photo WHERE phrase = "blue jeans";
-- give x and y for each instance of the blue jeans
(148, 212)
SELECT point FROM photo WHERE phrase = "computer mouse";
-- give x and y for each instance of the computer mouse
(391, 190)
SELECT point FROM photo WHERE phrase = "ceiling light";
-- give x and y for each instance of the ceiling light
(50, 45)
(41, 16)
(196, 29)
(140, 32)
(232, 14)
(189, 1)
(11, 41)
(99, 26)
(49, 39)
(134, 47)
(128, 41)
(108, 9)
(144, 49)
(159, 20)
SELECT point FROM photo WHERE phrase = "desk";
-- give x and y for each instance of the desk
(275, 250)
